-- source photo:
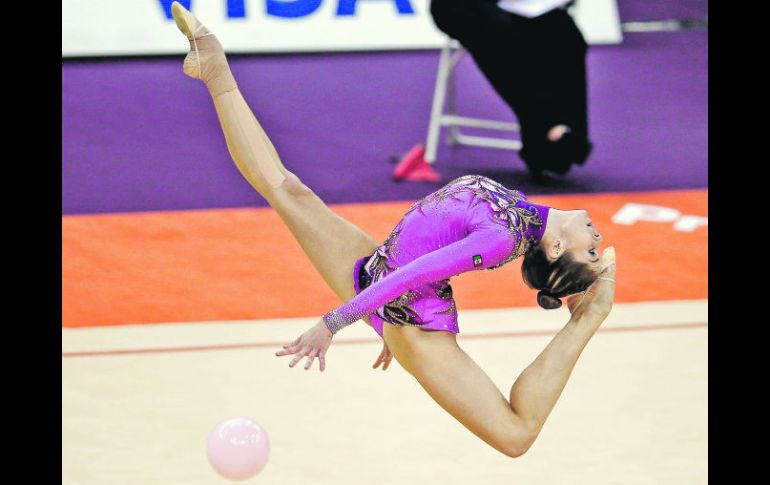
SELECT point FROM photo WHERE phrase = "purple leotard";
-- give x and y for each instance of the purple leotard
(472, 223)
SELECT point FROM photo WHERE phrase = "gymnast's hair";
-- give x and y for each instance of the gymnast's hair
(554, 279)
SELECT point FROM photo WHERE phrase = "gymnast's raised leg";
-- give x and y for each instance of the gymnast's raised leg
(332, 243)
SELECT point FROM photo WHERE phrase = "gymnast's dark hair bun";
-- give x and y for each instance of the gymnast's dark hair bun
(570, 276)
(547, 300)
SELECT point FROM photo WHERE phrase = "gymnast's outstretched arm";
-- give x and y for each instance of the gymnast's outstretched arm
(492, 244)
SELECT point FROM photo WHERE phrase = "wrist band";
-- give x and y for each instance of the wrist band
(334, 321)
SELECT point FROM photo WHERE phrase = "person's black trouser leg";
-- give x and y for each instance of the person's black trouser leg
(537, 66)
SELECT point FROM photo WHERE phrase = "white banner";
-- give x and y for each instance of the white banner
(145, 27)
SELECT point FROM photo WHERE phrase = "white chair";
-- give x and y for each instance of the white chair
(416, 164)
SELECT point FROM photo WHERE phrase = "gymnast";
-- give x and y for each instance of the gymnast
(401, 287)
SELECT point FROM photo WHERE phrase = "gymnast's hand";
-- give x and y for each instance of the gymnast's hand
(384, 358)
(594, 304)
(310, 344)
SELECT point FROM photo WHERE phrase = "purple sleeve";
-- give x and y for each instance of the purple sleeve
(479, 250)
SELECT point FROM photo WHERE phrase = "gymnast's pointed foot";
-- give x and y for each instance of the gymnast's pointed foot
(206, 60)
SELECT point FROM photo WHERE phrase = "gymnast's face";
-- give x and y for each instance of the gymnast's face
(581, 238)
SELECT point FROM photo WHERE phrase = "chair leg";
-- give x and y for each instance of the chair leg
(439, 95)
(453, 135)
(445, 98)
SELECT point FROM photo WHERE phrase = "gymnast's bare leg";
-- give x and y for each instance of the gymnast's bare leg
(332, 243)
(465, 391)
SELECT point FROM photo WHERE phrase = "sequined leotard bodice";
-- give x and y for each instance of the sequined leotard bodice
(472, 223)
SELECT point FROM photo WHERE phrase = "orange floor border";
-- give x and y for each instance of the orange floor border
(241, 264)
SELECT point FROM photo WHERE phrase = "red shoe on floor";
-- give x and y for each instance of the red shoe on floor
(414, 168)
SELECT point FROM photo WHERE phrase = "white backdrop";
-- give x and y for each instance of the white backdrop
(141, 27)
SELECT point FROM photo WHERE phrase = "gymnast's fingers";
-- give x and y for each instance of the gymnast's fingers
(310, 357)
(302, 353)
(287, 350)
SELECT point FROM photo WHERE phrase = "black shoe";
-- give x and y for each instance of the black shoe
(544, 177)
(556, 157)
(541, 173)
